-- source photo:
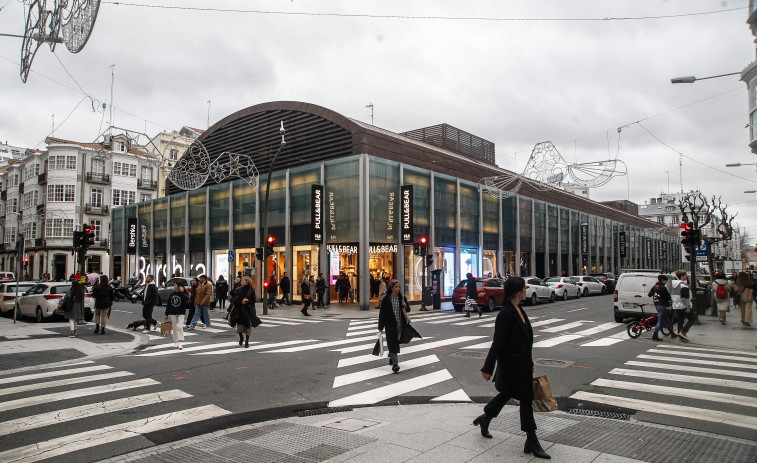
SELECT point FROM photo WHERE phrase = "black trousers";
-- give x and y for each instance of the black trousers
(147, 315)
(527, 422)
(192, 314)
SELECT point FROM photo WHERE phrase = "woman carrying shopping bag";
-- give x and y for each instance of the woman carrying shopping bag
(393, 318)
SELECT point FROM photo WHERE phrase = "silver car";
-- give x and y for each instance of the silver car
(41, 300)
(564, 287)
(589, 285)
(537, 290)
(8, 294)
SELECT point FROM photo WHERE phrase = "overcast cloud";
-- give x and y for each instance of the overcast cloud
(515, 83)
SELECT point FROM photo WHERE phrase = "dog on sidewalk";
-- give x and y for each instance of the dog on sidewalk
(140, 323)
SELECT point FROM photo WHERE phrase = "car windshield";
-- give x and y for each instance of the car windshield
(37, 289)
(60, 289)
(462, 284)
(552, 280)
(576, 279)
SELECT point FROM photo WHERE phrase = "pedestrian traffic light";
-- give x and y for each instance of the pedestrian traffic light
(259, 253)
(686, 233)
(265, 284)
(88, 236)
(77, 239)
(269, 242)
(416, 249)
(424, 245)
(26, 262)
(429, 260)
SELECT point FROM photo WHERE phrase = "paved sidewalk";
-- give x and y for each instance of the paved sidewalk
(443, 433)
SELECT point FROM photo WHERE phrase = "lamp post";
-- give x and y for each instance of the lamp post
(692, 79)
(739, 164)
(265, 219)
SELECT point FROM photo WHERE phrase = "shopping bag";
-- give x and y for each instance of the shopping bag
(543, 401)
(378, 349)
(165, 329)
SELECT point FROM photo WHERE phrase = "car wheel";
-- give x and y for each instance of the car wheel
(565, 295)
(491, 305)
(38, 315)
(618, 319)
(534, 299)
(604, 290)
(586, 291)
(552, 297)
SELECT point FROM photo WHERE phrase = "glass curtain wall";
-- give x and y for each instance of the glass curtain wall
(159, 233)
(384, 210)
(526, 237)
(564, 238)
(575, 230)
(178, 233)
(342, 216)
(469, 229)
(218, 202)
(509, 235)
(414, 276)
(491, 235)
(445, 224)
(116, 242)
(540, 242)
(143, 240)
(552, 223)
(197, 260)
(305, 255)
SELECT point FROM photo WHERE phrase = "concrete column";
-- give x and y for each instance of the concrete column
(364, 255)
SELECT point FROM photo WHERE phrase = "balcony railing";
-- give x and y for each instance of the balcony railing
(42, 178)
(98, 178)
(102, 209)
(147, 184)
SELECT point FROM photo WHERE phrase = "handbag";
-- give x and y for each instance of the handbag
(233, 316)
(378, 349)
(166, 328)
(543, 401)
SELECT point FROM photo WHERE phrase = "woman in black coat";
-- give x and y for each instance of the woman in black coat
(393, 307)
(222, 292)
(511, 351)
(243, 303)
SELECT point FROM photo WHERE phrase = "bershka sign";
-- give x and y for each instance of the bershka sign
(584, 238)
(131, 235)
(622, 243)
(406, 193)
(144, 240)
(316, 217)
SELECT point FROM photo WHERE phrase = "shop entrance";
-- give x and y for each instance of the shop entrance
(59, 267)
(382, 265)
(304, 266)
(343, 265)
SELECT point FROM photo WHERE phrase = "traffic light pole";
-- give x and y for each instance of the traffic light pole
(265, 221)
(425, 282)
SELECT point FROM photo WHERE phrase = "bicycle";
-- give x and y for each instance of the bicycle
(636, 327)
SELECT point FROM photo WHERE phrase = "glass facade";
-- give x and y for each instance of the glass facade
(445, 210)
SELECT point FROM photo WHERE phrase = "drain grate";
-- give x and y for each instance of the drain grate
(470, 354)
(600, 414)
(553, 363)
(323, 411)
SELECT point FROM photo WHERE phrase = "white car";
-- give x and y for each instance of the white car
(41, 300)
(537, 290)
(564, 287)
(8, 294)
(589, 285)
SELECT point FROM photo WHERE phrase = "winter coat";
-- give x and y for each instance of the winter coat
(192, 294)
(177, 303)
(76, 312)
(151, 296)
(285, 285)
(471, 292)
(746, 294)
(511, 352)
(388, 323)
(222, 289)
(103, 296)
(243, 313)
(722, 304)
(311, 284)
(320, 285)
(382, 290)
(664, 298)
(202, 293)
(681, 295)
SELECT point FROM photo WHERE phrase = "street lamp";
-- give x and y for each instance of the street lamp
(692, 79)
(739, 164)
(265, 217)
(751, 191)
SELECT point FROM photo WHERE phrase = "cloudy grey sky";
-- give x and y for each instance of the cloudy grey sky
(515, 83)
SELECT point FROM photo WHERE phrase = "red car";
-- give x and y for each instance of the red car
(491, 293)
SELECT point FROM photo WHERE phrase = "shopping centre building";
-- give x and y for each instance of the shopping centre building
(348, 197)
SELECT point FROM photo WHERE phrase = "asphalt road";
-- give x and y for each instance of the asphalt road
(296, 363)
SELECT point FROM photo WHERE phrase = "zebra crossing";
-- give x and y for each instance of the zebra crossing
(708, 385)
(116, 397)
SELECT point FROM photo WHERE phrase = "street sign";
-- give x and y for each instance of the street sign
(231, 256)
(703, 251)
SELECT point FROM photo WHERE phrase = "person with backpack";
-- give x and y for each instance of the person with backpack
(662, 302)
(720, 295)
(681, 295)
(103, 294)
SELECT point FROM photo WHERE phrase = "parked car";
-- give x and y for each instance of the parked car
(631, 290)
(589, 285)
(563, 287)
(8, 294)
(491, 293)
(7, 276)
(166, 290)
(537, 290)
(607, 278)
(41, 300)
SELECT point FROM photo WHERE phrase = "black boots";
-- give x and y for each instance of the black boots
(533, 445)
(97, 329)
(483, 421)
(304, 312)
(241, 338)
(246, 341)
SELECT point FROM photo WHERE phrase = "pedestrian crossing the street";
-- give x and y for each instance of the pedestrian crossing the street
(708, 385)
(58, 404)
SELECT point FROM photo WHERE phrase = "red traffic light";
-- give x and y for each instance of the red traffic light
(271, 239)
(265, 284)
(424, 240)
(26, 260)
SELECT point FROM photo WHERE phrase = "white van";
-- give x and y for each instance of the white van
(631, 289)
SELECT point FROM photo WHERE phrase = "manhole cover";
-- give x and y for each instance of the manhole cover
(553, 363)
(469, 354)
(351, 424)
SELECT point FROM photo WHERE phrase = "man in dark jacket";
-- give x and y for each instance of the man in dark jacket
(662, 302)
(471, 294)
(286, 288)
(151, 298)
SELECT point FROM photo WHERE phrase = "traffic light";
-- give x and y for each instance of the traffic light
(424, 245)
(695, 237)
(269, 242)
(265, 284)
(87, 236)
(686, 235)
(259, 253)
(416, 249)
(26, 262)
(429, 260)
(77, 239)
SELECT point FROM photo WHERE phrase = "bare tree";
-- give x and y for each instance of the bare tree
(698, 209)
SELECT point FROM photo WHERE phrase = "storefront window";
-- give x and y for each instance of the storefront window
(468, 263)
(301, 181)
(343, 265)
(383, 200)
(342, 209)
(276, 209)
(116, 232)
(445, 259)
(469, 215)
(219, 217)
(414, 276)
(420, 180)
(161, 224)
(178, 222)
(491, 221)
(525, 206)
(197, 220)
(304, 265)
(509, 225)
(445, 210)
(244, 216)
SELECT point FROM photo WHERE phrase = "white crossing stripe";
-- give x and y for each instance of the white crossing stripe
(63, 382)
(484, 345)
(294, 321)
(386, 392)
(683, 411)
(455, 396)
(664, 376)
(73, 394)
(189, 349)
(358, 348)
(548, 321)
(597, 329)
(360, 333)
(556, 329)
(88, 411)
(703, 354)
(475, 321)
(213, 330)
(107, 435)
(491, 325)
(678, 392)
(324, 344)
(556, 340)
(699, 361)
(166, 346)
(50, 374)
(692, 369)
(279, 321)
(258, 347)
(707, 349)
(157, 337)
(363, 322)
(407, 350)
(444, 319)
(603, 342)
(364, 375)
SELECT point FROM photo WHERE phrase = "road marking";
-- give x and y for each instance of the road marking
(658, 408)
(692, 369)
(360, 333)
(604, 342)
(444, 319)
(386, 392)
(363, 322)
(684, 378)
(364, 375)
(166, 346)
(324, 344)
(556, 340)
(456, 396)
(107, 435)
(597, 329)
(63, 382)
(258, 347)
(576, 310)
(88, 411)
(484, 345)
(74, 394)
(707, 349)
(156, 337)
(556, 329)
(190, 349)
(678, 392)
(703, 354)
(547, 321)
(405, 350)
(279, 321)
(474, 322)
(698, 361)
(50, 374)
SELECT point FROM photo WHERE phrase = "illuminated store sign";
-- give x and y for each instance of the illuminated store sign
(131, 235)
(144, 239)
(622, 243)
(352, 249)
(316, 219)
(406, 193)
(584, 238)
